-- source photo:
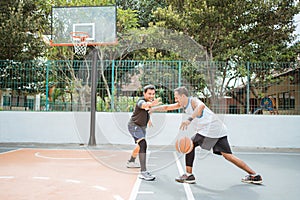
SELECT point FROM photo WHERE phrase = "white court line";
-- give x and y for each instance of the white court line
(72, 181)
(100, 187)
(41, 177)
(187, 188)
(7, 177)
(37, 154)
(117, 197)
(135, 189)
(146, 192)
(11, 151)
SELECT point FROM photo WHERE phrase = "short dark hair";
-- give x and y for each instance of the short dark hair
(182, 90)
(149, 87)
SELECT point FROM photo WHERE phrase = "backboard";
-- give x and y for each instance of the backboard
(99, 22)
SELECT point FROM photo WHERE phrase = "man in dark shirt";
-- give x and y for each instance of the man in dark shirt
(137, 127)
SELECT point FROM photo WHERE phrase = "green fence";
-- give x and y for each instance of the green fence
(226, 87)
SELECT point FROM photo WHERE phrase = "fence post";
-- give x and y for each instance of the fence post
(179, 73)
(248, 88)
(47, 86)
(112, 102)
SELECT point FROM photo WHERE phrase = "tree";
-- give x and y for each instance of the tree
(143, 8)
(234, 29)
(22, 25)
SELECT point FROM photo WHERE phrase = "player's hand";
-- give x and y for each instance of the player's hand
(156, 102)
(184, 125)
(150, 123)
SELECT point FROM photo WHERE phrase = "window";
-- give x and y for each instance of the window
(287, 100)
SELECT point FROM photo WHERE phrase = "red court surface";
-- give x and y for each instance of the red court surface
(62, 174)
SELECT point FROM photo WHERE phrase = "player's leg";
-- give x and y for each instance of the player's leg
(142, 156)
(142, 153)
(136, 133)
(139, 133)
(188, 177)
(252, 176)
(131, 162)
(222, 147)
(238, 162)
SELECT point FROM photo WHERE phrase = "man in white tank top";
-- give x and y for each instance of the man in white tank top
(210, 133)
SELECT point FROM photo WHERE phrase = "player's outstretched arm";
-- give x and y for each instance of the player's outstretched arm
(167, 107)
(149, 104)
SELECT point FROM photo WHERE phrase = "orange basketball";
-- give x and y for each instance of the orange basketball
(184, 145)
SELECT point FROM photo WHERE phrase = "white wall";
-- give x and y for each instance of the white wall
(272, 131)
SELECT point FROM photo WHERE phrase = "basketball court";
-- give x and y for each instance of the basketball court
(41, 171)
(67, 172)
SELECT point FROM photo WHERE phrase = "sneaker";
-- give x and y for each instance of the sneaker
(186, 179)
(257, 179)
(132, 165)
(147, 176)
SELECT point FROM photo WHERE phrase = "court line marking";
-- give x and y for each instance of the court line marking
(7, 177)
(100, 187)
(72, 181)
(187, 188)
(137, 184)
(38, 154)
(41, 177)
(118, 197)
(135, 189)
(146, 192)
(11, 151)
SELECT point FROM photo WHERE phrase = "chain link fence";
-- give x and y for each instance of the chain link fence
(226, 87)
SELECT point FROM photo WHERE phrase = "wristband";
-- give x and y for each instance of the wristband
(190, 119)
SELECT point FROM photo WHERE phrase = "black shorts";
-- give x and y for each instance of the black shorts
(217, 144)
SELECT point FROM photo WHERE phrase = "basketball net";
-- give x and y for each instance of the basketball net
(79, 42)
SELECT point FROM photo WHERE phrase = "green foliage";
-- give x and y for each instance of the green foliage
(143, 8)
(239, 30)
(127, 19)
(22, 24)
(26, 77)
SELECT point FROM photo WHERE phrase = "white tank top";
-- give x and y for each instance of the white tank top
(208, 124)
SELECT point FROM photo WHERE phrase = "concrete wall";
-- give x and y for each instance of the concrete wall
(274, 131)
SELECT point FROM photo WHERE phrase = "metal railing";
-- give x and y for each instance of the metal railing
(226, 87)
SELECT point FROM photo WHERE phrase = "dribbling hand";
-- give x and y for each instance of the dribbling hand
(184, 125)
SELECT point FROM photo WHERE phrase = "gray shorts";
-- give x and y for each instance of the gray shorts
(136, 131)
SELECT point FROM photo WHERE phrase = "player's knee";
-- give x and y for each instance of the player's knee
(227, 156)
(143, 146)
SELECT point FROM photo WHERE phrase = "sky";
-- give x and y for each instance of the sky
(297, 22)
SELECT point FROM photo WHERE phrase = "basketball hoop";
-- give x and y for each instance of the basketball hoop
(79, 40)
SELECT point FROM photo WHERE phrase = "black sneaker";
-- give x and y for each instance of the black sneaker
(257, 179)
(186, 179)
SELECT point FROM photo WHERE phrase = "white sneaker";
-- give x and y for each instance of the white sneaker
(146, 176)
(132, 165)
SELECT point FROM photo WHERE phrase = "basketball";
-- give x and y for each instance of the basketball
(184, 145)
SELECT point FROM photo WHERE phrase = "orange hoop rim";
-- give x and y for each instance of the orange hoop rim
(83, 35)
(89, 44)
